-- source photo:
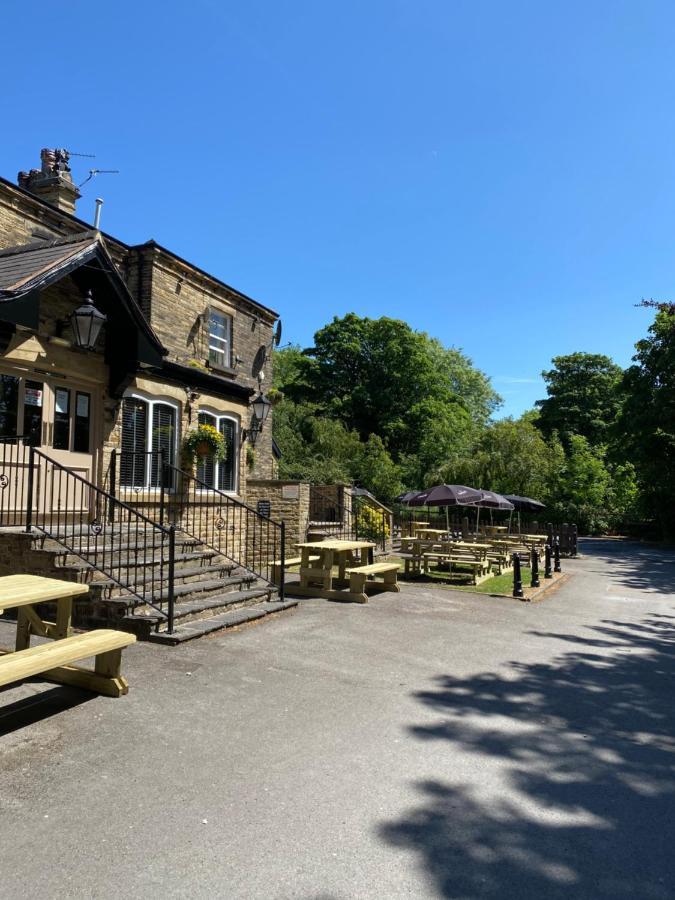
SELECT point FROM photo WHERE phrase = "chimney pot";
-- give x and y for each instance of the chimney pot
(53, 182)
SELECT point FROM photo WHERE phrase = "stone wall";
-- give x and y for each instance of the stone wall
(289, 502)
(175, 297)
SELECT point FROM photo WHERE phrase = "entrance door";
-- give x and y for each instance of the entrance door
(57, 417)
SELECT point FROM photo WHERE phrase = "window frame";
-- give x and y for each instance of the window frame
(151, 400)
(228, 319)
(218, 415)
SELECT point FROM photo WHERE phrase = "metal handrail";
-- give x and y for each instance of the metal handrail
(328, 507)
(52, 507)
(244, 536)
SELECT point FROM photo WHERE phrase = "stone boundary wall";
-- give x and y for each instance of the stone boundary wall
(289, 502)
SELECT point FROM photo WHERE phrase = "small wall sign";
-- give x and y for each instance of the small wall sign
(290, 491)
(264, 508)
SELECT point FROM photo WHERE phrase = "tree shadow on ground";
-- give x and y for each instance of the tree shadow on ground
(632, 565)
(584, 750)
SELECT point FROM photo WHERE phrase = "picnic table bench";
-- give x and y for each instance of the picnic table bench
(288, 564)
(471, 556)
(53, 659)
(318, 559)
(362, 576)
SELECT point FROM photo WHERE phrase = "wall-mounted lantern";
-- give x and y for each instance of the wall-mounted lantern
(86, 323)
(261, 409)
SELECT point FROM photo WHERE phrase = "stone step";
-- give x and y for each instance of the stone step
(112, 563)
(182, 542)
(203, 581)
(188, 631)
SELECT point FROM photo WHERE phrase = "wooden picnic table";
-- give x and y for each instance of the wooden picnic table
(430, 532)
(317, 578)
(24, 593)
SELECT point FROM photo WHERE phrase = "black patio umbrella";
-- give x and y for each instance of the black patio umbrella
(525, 504)
(447, 495)
(490, 500)
(407, 497)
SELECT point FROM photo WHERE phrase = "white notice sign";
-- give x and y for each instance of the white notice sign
(83, 406)
(61, 400)
(33, 397)
(290, 491)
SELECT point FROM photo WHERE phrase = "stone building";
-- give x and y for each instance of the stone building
(110, 355)
(91, 436)
(178, 345)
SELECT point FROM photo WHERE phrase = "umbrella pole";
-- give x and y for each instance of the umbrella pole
(510, 517)
(477, 519)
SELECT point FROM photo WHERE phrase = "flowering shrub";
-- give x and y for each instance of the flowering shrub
(205, 440)
(372, 523)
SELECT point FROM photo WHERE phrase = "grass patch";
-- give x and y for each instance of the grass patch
(498, 584)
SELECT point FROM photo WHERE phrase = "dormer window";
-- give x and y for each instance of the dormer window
(220, 339)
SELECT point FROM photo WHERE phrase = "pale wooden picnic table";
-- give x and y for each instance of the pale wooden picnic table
(53, 659)
(430, 532)
(23, 592)
(331, 553)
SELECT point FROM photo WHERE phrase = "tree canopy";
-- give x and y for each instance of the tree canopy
(583, 396)
(375, 402)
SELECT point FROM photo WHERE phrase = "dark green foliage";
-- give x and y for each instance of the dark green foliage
(583, 397)
(646, 428)
(377, 403)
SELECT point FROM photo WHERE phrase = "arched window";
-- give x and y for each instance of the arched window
(222, 475)
(149, 436)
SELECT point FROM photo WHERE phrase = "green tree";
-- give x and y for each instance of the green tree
(511, 457)
(583, 397)
(379, 376)
(646, 427)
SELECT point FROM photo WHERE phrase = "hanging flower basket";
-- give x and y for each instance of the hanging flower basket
(205, 441)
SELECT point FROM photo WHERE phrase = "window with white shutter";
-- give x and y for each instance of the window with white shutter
(149, 437)
(221, 474)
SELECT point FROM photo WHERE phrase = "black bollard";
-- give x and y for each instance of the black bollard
(556, 557)
(517, 580)
(547, 562)
(534, 571)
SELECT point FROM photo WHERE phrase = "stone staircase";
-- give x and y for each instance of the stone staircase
(211, 592)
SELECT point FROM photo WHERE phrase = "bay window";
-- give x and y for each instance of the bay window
(215, 473)
(149, 437)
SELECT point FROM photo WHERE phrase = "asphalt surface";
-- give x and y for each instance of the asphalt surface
(429, 744)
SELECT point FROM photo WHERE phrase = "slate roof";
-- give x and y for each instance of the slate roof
(22, 268)
(33, 266)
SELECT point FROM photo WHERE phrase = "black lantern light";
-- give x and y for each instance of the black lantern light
(87, 322)
(261, 409)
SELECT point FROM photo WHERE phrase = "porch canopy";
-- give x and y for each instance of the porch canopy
(28, 269)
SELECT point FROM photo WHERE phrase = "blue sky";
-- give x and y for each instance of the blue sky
(501, 175)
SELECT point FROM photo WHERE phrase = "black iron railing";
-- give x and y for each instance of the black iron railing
(223, 523)
(13, 479)
(341, 515)
(130, 549)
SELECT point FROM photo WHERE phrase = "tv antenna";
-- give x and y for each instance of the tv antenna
(94, 172)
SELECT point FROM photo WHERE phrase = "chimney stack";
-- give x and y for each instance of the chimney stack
(53, 182)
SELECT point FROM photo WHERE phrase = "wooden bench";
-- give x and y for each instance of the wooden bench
(480, 568)
(53, 660)
(362, 575)
(288, 564)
